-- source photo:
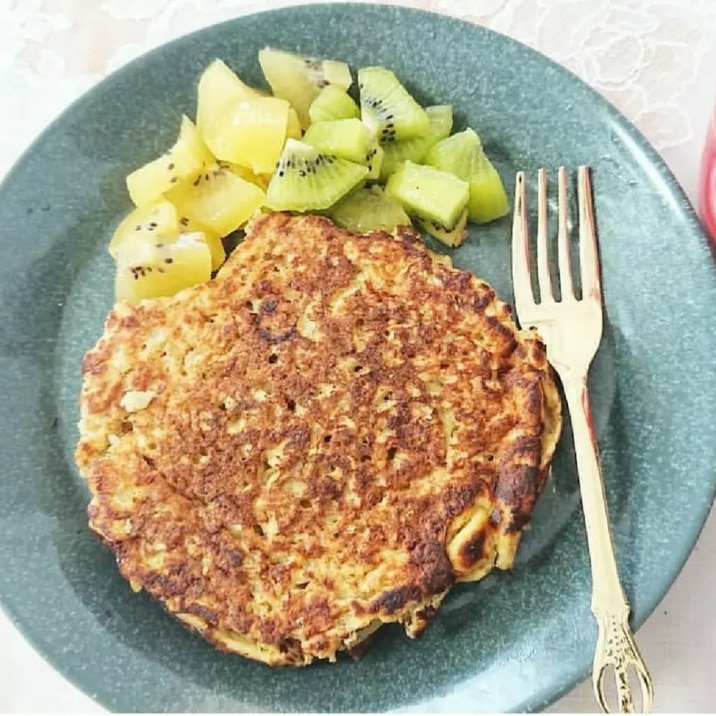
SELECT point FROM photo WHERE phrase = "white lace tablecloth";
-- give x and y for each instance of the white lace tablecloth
(654, 59)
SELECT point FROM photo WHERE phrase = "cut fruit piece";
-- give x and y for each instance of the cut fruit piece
(387, 108)
(299, 79)
(240, 124)
(455, 154)
(450, 237)
(488, 199)
(218, 87)
(369, 210)
(250, 131)
(159, 221)
(293, 127)
(462, 155)
(333, 103)
(218, 199)
(374, 162)
(346, 138)
(212, 239)
(216, 250)
(440, 117)
(306, 179)
(429, 193)
(150, 269)
(261, 180)
(185, 158)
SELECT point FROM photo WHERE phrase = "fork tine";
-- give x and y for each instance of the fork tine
(588, 253)
(545, 282)
(566, 285)
(521, 281)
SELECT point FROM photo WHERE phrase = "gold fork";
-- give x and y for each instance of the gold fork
(571, 328)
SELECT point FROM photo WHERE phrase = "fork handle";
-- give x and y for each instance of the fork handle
(616, 648)
(607, 593)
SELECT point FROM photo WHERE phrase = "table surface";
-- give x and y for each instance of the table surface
(653, 59)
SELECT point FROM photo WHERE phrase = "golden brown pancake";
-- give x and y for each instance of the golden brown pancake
(320, 440)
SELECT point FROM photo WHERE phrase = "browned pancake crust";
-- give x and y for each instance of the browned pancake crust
(320, 440)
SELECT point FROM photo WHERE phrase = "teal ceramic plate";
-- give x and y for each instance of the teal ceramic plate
(515, 641)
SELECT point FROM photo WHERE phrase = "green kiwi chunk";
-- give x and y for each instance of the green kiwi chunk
(367, 210)
(462, 154)
(307, 179)
(440, 119)
(333, 103)
(387, 108)
(429, 193)
(346, 138)
(452, 237)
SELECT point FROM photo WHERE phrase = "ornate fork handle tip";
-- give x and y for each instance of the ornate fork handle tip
(617, 650)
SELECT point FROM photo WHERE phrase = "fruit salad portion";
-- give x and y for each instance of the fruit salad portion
(372, 160)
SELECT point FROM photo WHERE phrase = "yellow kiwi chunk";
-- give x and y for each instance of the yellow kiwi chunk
(158, 220)
(212, 239)
(183, 160)
(218, 199)
(160, 223)
(261, 180)
(293, 128)
(238, 123)
(152, 269)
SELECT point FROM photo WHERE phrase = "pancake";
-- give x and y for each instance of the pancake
(322, 439)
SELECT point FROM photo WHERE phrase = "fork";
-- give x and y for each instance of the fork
(571, 329)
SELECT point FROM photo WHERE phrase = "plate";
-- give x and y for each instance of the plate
(513, 642)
